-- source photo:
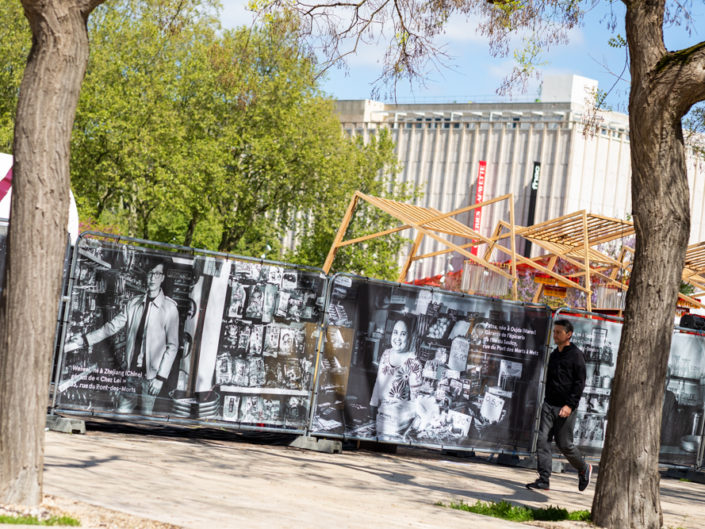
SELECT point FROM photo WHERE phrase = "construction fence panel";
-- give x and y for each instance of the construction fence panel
(165, 333)
(412, 365)
(684, 400)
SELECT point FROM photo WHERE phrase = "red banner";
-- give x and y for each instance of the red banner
(5, 184)
(479, 196)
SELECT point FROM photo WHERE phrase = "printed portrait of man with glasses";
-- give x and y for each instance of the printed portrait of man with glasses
(151, 322)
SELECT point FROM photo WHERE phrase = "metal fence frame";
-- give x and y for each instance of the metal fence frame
(435, 446)
(322, 328)
(132, 417)
(616, 319)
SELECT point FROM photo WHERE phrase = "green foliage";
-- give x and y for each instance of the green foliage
(686, 288)
(507, 511)
(33, 520)
(376, 257)
(600, 97)
(136, 162)
(618, 41)
(189, 134)
(15, 41)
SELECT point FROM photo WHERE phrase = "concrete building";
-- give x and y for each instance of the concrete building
(441, 147)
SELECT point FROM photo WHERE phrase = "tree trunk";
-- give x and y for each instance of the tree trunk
(188, 238)
(36, 242)
(627, 493)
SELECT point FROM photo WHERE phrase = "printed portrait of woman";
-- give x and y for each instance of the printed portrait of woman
(398, 381)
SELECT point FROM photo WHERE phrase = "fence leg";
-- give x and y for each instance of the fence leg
(308, 442)
(65, 425)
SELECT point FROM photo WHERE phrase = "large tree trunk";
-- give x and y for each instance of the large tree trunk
(627, 492)
(662, 91)
(36, 243)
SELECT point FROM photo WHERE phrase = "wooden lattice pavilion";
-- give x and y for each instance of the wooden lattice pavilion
(428, 222)
(694, 269)
(572, 238)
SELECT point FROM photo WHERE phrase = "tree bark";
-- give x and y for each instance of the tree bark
(37, 237)
(662, 91)
(188, 238)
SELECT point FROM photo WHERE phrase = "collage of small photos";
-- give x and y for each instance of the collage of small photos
(599, 343)
(410, 365)
(267, 347)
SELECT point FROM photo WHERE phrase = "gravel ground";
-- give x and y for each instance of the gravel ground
(90, 516)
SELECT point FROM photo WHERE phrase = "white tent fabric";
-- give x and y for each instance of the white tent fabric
(5, 167)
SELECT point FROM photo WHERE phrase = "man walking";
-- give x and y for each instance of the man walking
(565, 381)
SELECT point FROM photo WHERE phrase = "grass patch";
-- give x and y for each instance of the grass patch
(33, 520)
(516, 513)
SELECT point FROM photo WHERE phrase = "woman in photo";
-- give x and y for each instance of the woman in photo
(397, 384)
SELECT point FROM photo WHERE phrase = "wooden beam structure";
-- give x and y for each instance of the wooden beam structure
(573, 238)
(429, 222)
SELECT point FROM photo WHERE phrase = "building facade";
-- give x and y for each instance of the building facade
(442, 146)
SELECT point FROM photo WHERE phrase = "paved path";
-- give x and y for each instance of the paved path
(214, 483)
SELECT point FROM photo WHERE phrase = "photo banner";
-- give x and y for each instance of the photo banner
(155, 333)
(684, 398)
(598, 339)
(417, 366)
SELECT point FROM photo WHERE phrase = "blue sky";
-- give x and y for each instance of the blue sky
(474, 75)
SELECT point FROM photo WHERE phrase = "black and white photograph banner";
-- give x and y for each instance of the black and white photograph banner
(684, 399)
(153, 333)
(599, 341)
(412, 365)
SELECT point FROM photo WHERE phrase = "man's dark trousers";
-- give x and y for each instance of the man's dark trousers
(563, 434)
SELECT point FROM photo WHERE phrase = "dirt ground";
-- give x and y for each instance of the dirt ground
(118, 477)
(90, 516)
(96, 517)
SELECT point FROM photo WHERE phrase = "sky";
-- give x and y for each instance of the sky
(474, 75)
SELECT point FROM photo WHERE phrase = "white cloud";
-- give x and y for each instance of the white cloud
(461, 28)
(235, 14)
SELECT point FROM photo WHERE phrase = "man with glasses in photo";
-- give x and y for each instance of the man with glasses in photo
(151, 321)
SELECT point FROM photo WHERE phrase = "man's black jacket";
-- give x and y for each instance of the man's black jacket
(565, 379)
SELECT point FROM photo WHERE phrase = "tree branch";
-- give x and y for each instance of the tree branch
(87, 6)
(686, 70)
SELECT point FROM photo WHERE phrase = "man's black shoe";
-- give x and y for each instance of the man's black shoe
(537, 485)
(584, 478)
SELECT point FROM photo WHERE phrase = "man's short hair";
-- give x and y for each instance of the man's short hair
(566, 324)
(164, 261)
(150, 262)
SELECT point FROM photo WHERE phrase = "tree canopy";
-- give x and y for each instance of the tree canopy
(220, 139)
